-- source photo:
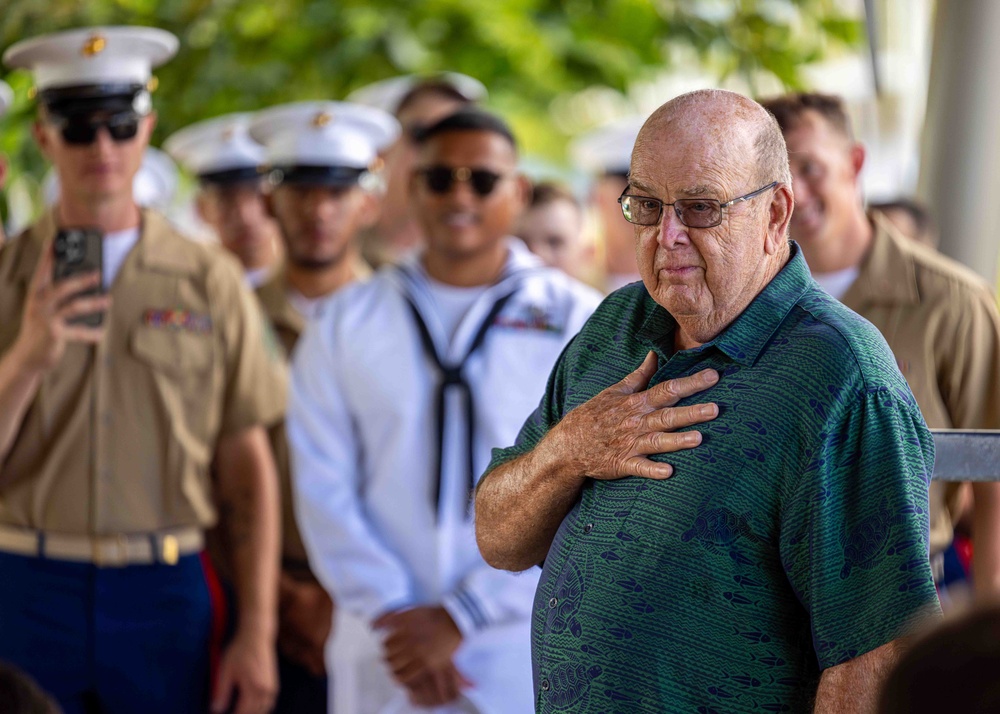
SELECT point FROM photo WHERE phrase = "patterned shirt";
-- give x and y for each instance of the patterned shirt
(793, 539)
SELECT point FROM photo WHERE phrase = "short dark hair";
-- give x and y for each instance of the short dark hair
(546, 192)
(467, 119)
(438, 87)
(20, 695)
(951, 669)
(789, 108)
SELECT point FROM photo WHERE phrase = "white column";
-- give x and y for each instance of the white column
(960, 166)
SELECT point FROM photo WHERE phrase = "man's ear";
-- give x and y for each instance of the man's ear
(779, 213)
(857, 158)
(523, 190)
(42, 140)
(267, 196)
(371, 209)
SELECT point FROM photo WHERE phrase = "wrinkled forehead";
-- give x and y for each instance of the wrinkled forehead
(693, 158)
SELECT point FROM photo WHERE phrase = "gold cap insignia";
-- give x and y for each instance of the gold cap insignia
(153, 84)
(94, 45)
(322, 119)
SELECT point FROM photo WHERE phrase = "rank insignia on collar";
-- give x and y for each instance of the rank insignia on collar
(178, 320)
(529, 317)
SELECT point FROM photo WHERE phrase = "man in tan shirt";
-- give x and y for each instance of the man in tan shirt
(939, 318)
(121, 443)
(321, 195)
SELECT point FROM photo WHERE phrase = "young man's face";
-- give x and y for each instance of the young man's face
(318, 223)
(238, 214)
(99, 170)
(554, 232)
(825, 167)
(458, 221)
(423, 111)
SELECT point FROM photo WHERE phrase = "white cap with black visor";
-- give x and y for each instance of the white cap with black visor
(323, 143)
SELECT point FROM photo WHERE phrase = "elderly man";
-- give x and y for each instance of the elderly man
(775, 554)
(401, 388)
(123, 437)
(940, 319)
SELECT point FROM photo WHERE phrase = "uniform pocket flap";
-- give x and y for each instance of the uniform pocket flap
(172, 350)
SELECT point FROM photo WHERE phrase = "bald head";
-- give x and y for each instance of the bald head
(729, 125)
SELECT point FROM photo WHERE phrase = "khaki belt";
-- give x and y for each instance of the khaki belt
(104, 551)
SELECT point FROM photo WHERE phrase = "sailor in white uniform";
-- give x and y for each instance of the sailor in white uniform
(401, 389)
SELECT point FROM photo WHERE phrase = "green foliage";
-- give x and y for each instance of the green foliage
(246, 54)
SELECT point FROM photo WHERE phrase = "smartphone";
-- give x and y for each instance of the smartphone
(80, 250)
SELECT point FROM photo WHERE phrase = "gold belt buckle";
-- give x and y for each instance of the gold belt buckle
(120, 556)
(170, 549)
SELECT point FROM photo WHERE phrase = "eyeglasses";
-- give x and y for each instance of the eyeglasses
(440, 179)
(691, 212)
(82, 130)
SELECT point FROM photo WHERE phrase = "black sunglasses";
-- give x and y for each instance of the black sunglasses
(82, 130)
(440, 179)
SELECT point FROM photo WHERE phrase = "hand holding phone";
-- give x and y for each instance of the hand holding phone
(50, 308)
(80, 251)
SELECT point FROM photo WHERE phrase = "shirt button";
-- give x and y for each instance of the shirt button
(588, 528)
(553, 602)
(545, 685)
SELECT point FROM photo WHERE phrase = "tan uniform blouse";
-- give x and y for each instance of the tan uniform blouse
(941, 322)
(120, 436)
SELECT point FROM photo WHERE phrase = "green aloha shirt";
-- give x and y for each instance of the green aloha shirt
(794, 538)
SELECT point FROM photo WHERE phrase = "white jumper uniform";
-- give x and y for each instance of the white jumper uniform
(381, 531)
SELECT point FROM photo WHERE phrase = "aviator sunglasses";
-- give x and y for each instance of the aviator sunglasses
(440, 179)
(82, 129)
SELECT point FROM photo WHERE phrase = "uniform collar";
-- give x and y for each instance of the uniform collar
(273, 296)
(158, 246)
(746, 337)
(520, 260)
(888, 274)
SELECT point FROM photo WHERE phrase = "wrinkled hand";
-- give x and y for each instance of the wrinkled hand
(248, 671)
(420, 642)
(613, 434)
(438, 687)
(44, 327)
(305, 617)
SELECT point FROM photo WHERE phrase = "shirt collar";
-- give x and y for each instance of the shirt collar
(273, 296)
(888, 274)
(749, 333)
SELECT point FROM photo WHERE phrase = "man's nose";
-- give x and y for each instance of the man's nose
(672, 231)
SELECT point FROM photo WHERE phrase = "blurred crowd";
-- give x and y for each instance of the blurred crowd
(235, 473)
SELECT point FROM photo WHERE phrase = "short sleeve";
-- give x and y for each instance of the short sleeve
(256, 379)
(548, 413)
(854, 532)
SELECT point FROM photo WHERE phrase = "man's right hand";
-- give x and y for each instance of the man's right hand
(45, 331)
(520, 504)
(305, 618)
(613, 434)
(437, 687)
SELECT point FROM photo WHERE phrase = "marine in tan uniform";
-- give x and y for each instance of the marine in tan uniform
(939, 319)
(230, 199)
(121, 443)
(321, 195)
